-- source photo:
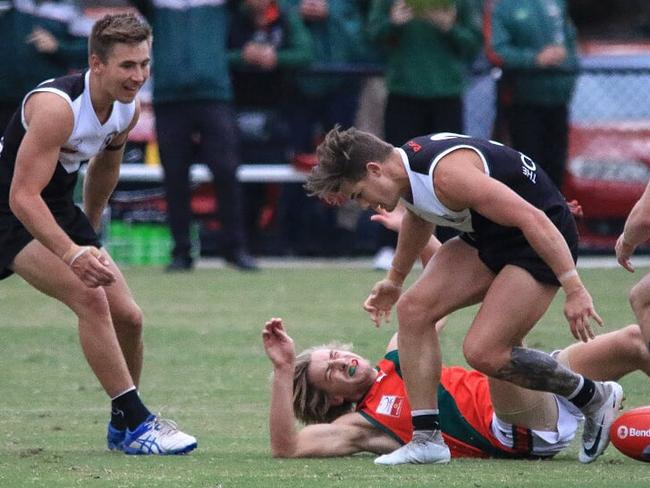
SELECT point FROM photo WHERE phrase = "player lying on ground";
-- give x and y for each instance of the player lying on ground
(352, 407)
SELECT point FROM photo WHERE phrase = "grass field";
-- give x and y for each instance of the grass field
(206, 369)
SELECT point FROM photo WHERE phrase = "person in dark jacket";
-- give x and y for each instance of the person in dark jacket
(195, 119)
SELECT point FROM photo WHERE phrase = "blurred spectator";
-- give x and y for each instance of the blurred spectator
(319, 102)
(268, 43)
(195, 118)
(40, 40)
(428, 52)
(534, 41)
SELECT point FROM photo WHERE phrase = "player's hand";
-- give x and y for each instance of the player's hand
(91, 266)
(576, 209)
(390, 220)
(278, 345)
(382, 297)
(624, 253)
(579, 310)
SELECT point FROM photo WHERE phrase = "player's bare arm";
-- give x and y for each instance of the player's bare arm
(414, 236)
(461, 183)
(635, 232)
(103, 173)
(35, 164)
(349, 434)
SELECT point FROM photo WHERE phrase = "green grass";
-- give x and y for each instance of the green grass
(205, 368)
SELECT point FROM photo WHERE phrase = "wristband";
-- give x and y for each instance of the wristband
(565, 276)
(71, 256)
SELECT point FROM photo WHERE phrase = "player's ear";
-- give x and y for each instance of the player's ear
(373, 168)
(95, 63)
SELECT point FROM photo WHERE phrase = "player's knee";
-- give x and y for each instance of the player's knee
(90, 302)
(639, 298)
(482, 359)
(130, 319)
(634, 344)
(413, 311)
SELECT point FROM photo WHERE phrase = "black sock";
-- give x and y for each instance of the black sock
(129, 408)
(585, 394)
(118, 419)
(426, 422)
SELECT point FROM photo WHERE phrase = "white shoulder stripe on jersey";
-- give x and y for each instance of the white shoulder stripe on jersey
(61, 93)
(454, 148)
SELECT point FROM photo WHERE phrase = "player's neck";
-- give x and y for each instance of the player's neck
(102, 102)
(398, 173)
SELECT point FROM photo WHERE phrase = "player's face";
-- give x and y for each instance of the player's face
(126, 70)
(373, 191)
(340, 373)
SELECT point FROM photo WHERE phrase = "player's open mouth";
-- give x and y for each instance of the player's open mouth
(353, 367)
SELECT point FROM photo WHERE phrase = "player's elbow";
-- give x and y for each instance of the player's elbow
(534, 220)
(18, 200)
(284, 452)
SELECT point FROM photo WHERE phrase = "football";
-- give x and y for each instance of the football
(630, 433)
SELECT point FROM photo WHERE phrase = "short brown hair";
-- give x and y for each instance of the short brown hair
(311, 405)
(113, 29)
(342, 156)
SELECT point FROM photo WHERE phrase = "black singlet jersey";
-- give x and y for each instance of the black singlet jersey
(89, 137)
(512, 168)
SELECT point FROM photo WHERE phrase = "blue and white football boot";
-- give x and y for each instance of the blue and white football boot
(158, 436)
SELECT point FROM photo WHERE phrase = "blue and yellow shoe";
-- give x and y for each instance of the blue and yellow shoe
(115, 438)
(158, 436)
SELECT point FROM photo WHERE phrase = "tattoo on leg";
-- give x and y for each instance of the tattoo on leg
(537, 370)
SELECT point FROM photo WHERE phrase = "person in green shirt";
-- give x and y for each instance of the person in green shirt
(534, 42)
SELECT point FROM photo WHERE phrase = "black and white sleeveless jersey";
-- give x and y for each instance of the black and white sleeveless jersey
(512, 168)
(89, 137)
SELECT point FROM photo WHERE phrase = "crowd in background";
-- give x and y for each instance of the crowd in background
(262, 80)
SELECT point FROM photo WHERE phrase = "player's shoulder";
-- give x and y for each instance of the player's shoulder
(72, 85)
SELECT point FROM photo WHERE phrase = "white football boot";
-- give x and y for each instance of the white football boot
(598, 420)
(418, 451)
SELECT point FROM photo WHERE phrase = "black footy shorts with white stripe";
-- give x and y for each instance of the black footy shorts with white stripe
(515, 250)
(14, 236)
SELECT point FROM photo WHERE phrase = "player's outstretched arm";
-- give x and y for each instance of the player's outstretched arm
(393, 221)
(635, 232)
(414, 236)
(347, 435)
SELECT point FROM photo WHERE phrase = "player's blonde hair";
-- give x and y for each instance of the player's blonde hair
(311, 405)
(113, 29)
(343, 156)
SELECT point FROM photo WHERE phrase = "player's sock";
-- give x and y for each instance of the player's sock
(583, 393)
(134, 411)
(425, 423)
(118, 418)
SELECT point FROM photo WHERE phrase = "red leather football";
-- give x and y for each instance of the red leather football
(630, 433)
